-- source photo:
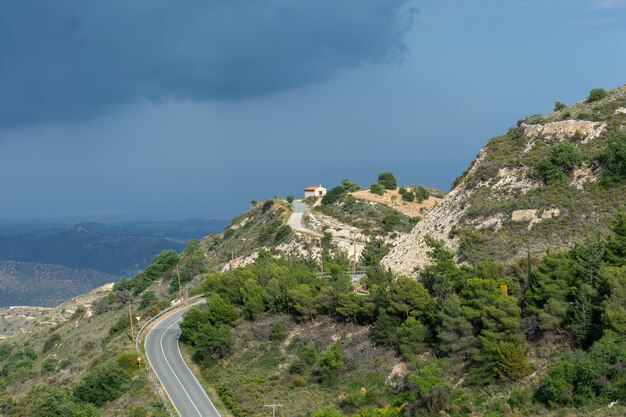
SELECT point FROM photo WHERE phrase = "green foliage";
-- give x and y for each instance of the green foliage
(277, 332)
(160, 265)
(428, 388)
(411, 337)
(330, 362)
(455, 332)
(408, 196)
(127, 361)
(220, 310)
(55, 402)
(290, 199)
(333, 195)
(409, 298)
(558, 386)
(614, 306)
(559, 106)
(211, 342)
(549, 291)
(421, 194)
(102, 384)
(350, 186)
(377, 189)
(49, 365)
(616, 243)
(562, 159)
(52, 340)
(391, 221)
(18, 364)
(614, 158)
(5, 350)
(327, 412)
(596, 94)
(388, 180)
(282, 233)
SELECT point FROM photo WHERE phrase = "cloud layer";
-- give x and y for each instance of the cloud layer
(69, 59)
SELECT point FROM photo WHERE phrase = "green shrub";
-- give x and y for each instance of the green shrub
(596, 94)
(104, 383)
(614, 158)
(282, 233)
(127, 361)
(350, 186)
(388, 180)
(408, 196)
(562, 158)
(49, 365)
(290, 199)
(278, 331)
(377, 189)
(559, 106)
(55, 403)
(5, 350)
(19, 364)
(333, 195)
(331, 362)
(52, 340)
(558, 386)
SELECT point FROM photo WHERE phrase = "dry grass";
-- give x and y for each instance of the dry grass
(394, 200)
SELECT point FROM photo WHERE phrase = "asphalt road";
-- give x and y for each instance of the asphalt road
(182, 387)
(295, 220)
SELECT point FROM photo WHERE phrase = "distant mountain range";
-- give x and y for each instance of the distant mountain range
(40, 265)
(25, 283)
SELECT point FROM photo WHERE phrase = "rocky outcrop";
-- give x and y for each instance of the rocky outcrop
(565, 129)
(411, 251)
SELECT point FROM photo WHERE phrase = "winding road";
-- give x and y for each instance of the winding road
(295, 220)
(180, 384)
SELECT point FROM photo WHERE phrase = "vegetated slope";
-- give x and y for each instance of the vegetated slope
(24, 283)
(263, 226)
(548, 182)
(78, 359)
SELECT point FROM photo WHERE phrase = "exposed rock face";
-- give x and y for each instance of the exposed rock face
(566, 129)
(524, 215)
(621, 110)
(411, 251)
(532, 217)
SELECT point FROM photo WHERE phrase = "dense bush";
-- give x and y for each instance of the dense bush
(52, 340)
(596, 94)
(559, 106)
(161, 264)
(562, 159)
(55, 403)
(377, 189)
(333, 195)
(102, 384)
(614, 159)
(388, 180)
(350, 186)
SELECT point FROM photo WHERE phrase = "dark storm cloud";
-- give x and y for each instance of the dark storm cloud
(70, 58)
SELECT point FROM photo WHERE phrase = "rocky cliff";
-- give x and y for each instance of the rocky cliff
(504, 205)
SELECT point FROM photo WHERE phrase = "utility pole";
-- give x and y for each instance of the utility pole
(180, 289)
(354, 263)
(130, 315)
(322, 256)
(273, 407)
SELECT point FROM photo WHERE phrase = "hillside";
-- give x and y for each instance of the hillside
(514, 197)
(491, 336)
(24, 283)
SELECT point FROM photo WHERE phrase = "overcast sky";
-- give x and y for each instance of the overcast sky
(161, 109)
